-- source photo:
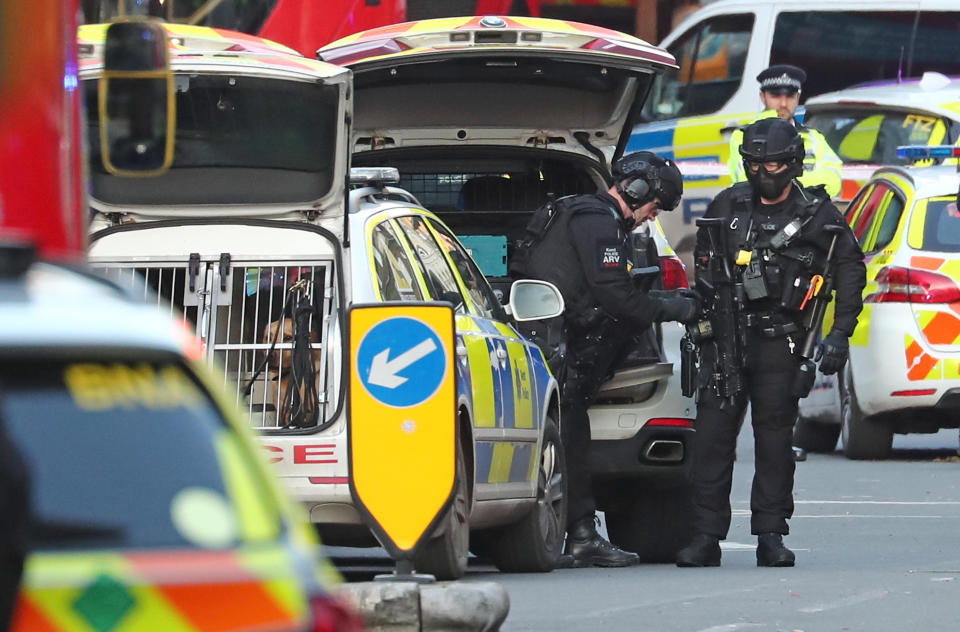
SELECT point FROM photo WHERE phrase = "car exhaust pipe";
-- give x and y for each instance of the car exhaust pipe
(664, 451)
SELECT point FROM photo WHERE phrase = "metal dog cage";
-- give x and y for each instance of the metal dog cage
(245, 313)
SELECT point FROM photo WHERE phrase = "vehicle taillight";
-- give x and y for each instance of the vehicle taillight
(674, 273)
(670, 422)
(908, 285)
(332, 615)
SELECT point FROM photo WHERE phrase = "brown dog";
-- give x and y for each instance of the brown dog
(280, 364)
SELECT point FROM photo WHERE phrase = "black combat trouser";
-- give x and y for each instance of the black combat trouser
(590, 360)
(770, 369)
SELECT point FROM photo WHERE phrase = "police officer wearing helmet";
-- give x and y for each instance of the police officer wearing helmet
(758, 258)
(780, 89)
(582, 247)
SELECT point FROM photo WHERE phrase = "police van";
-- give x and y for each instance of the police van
(722, 47)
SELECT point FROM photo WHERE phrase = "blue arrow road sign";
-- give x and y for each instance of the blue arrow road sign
(401, 362)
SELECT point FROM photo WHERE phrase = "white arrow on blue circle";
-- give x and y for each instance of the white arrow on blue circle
(383, 371)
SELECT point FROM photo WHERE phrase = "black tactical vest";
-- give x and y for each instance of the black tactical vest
(550, 257)
(782, 259)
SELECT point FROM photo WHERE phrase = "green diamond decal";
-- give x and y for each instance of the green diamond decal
(104, 603)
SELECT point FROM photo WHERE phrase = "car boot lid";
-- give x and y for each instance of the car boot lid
(201, 192)
(492, 80)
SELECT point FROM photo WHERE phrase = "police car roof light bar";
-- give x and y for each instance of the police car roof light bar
(374, 176)
(925, 152)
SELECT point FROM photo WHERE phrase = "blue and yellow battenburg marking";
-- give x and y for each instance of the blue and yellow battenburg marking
(518, 386)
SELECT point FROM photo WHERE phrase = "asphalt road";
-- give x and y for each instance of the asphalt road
(877, 543)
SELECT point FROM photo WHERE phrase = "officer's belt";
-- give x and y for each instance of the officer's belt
(770, 324)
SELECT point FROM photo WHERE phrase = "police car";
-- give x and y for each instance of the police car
(244, 235)
(152, 505)
(486, 119)
(866, 123)
(904, 370)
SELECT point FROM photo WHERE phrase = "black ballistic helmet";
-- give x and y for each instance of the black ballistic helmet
(643, 176)
(773, 140)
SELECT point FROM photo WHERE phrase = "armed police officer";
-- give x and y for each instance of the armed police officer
(768, 252)
(580, 244)
(780, 89)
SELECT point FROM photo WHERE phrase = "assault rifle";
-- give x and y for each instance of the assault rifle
(723, 325)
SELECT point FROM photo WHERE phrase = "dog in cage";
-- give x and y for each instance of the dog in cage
(293, 371)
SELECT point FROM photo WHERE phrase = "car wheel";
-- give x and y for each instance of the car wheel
(445, 556)
(654, 523)
(534, 543)
(815, 436)
(863, 437)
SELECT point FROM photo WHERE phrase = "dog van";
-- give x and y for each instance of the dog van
(722, 47)
(256, 240)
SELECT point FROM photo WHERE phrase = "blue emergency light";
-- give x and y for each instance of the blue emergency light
(922, 152)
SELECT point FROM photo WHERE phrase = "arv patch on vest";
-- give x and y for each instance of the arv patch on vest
(609, 256)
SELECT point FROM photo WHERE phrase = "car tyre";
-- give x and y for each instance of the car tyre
(654, 523)
(815, 436)
(445, 556)
(863, 437)
(534, 543)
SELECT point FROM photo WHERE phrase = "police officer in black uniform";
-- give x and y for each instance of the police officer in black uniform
(774, 238)
(585, 252)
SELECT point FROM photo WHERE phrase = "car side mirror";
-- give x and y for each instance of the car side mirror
(534, 300)
(136, 99)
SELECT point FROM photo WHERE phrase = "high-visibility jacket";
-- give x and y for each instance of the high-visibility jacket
(821, 165)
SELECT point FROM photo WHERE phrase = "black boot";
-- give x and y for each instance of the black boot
(704, 550)
(587, 548)
(772, 552)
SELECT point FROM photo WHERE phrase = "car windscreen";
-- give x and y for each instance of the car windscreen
(120, 454)
(239, 140)
(871, 135)
(941, 226)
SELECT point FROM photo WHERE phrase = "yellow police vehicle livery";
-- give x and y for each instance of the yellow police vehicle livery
(904, 370)
(151, 503)
(721, 47)
(487, 118)
(865, 124)
(256, 246)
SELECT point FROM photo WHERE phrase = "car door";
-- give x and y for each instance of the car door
(505, 430)
(519, 421)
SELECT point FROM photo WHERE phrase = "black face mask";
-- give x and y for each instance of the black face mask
(769, 185)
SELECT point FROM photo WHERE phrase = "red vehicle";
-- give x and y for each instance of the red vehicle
(41, 187)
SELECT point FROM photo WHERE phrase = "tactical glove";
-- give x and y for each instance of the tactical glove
(833, 352)
(681, 305)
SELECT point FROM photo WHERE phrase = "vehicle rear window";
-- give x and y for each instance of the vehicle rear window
(941, 226)
(239, 139)
(121, 454)
(872, 135)
(842, 48)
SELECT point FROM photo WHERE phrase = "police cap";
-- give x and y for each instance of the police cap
(643, 176)
(782, 79)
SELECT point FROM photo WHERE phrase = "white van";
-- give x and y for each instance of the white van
(722, 47)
